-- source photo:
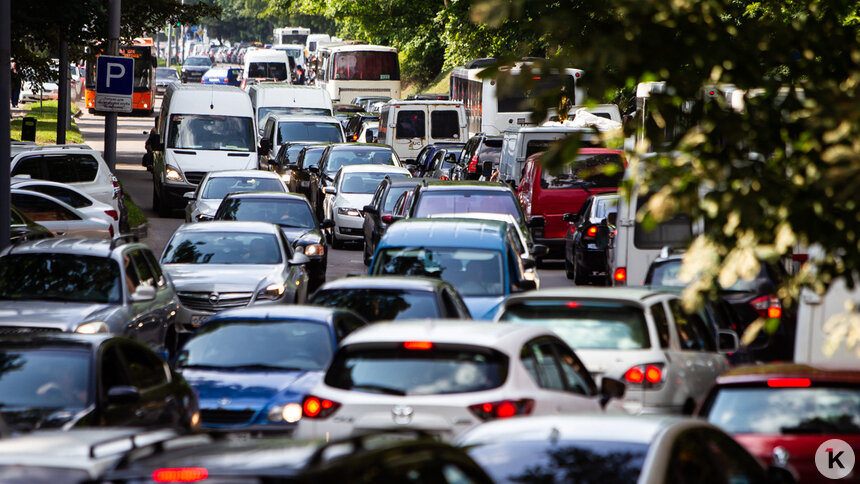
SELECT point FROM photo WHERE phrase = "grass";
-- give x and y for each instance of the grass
(46, 124)
(439, 85)
(135, 214)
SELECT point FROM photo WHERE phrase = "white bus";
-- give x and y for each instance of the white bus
(493, 114)
(350, 70)
(290, 35)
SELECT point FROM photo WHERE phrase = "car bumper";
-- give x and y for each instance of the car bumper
(349, 227)
(172, 194)
(594, 261)
(556, 246)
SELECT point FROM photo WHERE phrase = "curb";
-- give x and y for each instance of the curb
(141, 230)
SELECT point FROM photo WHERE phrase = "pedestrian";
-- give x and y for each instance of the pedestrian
(16, 84)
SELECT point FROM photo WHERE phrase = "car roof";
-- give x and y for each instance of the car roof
(280, 85)
(373, 168)
(269, 195)
(277, 312)
(752, 374)
(404, 181)
(281, 117)
(98, 247)
(632, 294)
(244, 173)
(230, 226)
(359, 147)
(453, 232)
(466, 185)
(410, 283)
(467, 332)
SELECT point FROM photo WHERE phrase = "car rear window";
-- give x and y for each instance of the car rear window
(445, 124)
(453, 202)
(308, 131)
(396, 370)
(586, 324)
(381, 304)
(410, 124)
(222, 248)
(221, 186)
(812, 410)
(62, 168)
(473, 272)
(587, 171)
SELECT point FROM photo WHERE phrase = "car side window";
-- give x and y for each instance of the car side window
(688, 337)
(585, 210)
(41, 209)
(527, 356)
(576, 376)
(705, 332)
(70, 197)
(377, 196)
(71, 168)
(145, 370)
(540, 352)
(287, 246)
(144, 272)
(658, 313)
(160, 280)
(131, 278)
(703, 456)
(346, 324)
(29, 166)
(112, 370)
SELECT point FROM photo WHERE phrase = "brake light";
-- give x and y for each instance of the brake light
(767, 306)
(443, 177)
(620, 275)
(314, 407)
(418, 345)
(387, 218)
(653, 374)
(112, 214)
(789, 382)
(591, 231)
(355, 137)
(180, 474)
(473, 164)
(634, 375)
(572, 304)
(502, 409)
(648, 375)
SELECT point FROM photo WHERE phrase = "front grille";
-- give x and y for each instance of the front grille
(220, 416)
(206, 301)
(351, 231)
(18, 330)
(194, 177)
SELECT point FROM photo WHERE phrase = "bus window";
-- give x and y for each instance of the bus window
(410, 124)
(514, 100)
(366, 66)
(444, 124)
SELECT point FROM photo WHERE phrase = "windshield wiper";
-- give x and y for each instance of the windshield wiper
(290, 226)
(380, 389)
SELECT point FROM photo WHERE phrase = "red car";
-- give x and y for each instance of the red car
(792, 407)
(546, 195)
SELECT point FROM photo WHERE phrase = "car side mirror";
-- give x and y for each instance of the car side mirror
(528, 262)
(147, 293)
(330, 190)
(570, 217)
(536, 222)
(327, 223)
(189, 195)
(299, 259)
(314, 169)
(123, 394)
(727, 341)
(527, 285)
(369, 209)
(265, 145)
(610, 388)
(539, 250)
(293, 166)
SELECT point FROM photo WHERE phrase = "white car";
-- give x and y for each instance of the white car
(444, 377)
(668, 358)
(205, 200)
(58, 217)
(353, 188)
(84, 203)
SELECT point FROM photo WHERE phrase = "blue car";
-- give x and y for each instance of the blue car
(478, 257)
(252, 366)
(228, 76)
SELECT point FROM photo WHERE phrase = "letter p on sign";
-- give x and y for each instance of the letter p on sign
(114, 71)
(115, 75)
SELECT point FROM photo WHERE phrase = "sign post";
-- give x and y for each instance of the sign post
(114, 84)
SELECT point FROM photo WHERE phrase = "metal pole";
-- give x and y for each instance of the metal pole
(63, 101)
(5, 124)
(169, 42)
(113, 49)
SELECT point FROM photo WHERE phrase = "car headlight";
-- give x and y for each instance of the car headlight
(93, 327)
(312, 250)
(285, 177)
(172, 174)
(348, 211)
(529, 276)
(272, 291)
(290, 413)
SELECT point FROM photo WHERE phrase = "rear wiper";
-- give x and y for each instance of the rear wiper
(380, 389)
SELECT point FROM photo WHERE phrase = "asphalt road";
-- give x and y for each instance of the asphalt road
(137, 183)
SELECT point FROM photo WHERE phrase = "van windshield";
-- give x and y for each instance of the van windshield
(211, 132)
(602, 170)
(274, 70)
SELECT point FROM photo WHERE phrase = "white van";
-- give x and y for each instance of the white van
(280, 98)
(815, 314)
(312, 44)
(520, 143)
(201, 128)
(268, 64)
(408, 126)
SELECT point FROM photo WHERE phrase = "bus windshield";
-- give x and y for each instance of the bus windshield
(366, 66)
(143, 70)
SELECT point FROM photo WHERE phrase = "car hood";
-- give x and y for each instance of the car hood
(240, 390)
(193, 160)
(353, 200)
(221, 277)
(26, 419)
(483, 307)
(64, 316)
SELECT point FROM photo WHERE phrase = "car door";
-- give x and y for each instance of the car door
(371, 219)
(143, 321)
(112, 373)
(557, 394)
(410, 131)
(148, 373)
(166, 303)
(692, 351)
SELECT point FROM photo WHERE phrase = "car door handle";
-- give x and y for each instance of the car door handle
(59, 234)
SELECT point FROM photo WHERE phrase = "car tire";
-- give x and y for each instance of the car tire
(336, 243)
(579, 279)
(568, 269)
(367, 255)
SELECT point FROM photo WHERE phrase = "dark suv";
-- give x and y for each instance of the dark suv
(479, 149)
(355, 123)
(378, 214)
(194, 67)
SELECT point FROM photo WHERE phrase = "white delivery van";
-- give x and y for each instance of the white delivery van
(821, 317)
(312, 44)
(520, 143)
(266, 64)
(201, 128)
(280, 98)
(408, 126)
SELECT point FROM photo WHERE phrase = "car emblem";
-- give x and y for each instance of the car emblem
(214, 297)
(224, 401)
(402, 414)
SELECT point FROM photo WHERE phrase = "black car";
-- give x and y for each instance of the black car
(392, 298)
(478, 150)
(588, 240)
(65, 381)
(423, 162)
(304, 175)
(355, 123)
(443, 164)
(288, 154)
(378, 214)
(293, 214)
(194, 67)
(394, 457)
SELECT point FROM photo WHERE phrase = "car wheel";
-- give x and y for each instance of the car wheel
(568, 269)
(579, 278)
(367, 255)
(336, 243)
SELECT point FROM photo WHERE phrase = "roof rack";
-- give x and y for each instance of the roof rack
(123, 239)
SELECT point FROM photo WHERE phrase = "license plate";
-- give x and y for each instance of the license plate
(239, 436)
(196, 319)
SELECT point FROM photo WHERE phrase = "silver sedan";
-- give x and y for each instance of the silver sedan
(59, 217)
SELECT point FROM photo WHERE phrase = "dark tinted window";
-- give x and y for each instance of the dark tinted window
(381, 304)
(365, 65)
(274, 70)
(145, 369)
(312, 157)
(308, 131)
(551, 461)
(692, 331)
(144, 273)
(71, 197)
(450, 201)
(410, 124)
(222, 248)
(64, 168)
(338, 158)
(662, 324)
(576, 376)
(156, 268)
(44, 377)
(41, 209)
(473, 272)
(29, 166)
(210, 132)
(514, 98)
(221, 186)
(587, 171)
(445, 124)
(286, 213)
(59, 277)
(442, 369)
(278, 344)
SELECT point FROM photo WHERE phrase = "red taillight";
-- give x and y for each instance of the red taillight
(789, 382)
(387, 218)
(648, 375)
(503, 408)
(653, 374)
(572, 304)
(767, 306)
(473, 164)
(620, 274)
(355, 137)
(418, 345)
(443, 177)
(180, 474)
(634, 375)
(774, 312)
(112, 214)
(314, 407)
(591, 232)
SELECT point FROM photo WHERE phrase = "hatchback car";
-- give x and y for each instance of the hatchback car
(355, 124)
(87, 286)
(70, 195)
(229, 76)
(65, 381)
(205, 200)
(669, 358)
(393, 298)
(444, 377)
(480, 148)
(223, 265)
(59, 217)
(378, 214)
(252, 366)
(588, 240)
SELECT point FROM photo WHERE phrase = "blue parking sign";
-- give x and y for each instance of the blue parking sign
(115, 75)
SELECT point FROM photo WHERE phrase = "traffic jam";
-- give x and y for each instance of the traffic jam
(448, 355)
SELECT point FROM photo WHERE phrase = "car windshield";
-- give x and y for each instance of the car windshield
(219, 187)
(473, 272)
(399, 371)
(211, 132)
(321, 131)
(222, 248)
(585, 324)
(284, 212)
(264, 111)
(45, 378)
(338, 158)
(560, 461)
(813, 410)
(166, 73)
(197, 61)
(393, 194)
(233, 344)
(364, 182)
(60, 277)
(381, 304)
(588, 171)
(453, 202)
